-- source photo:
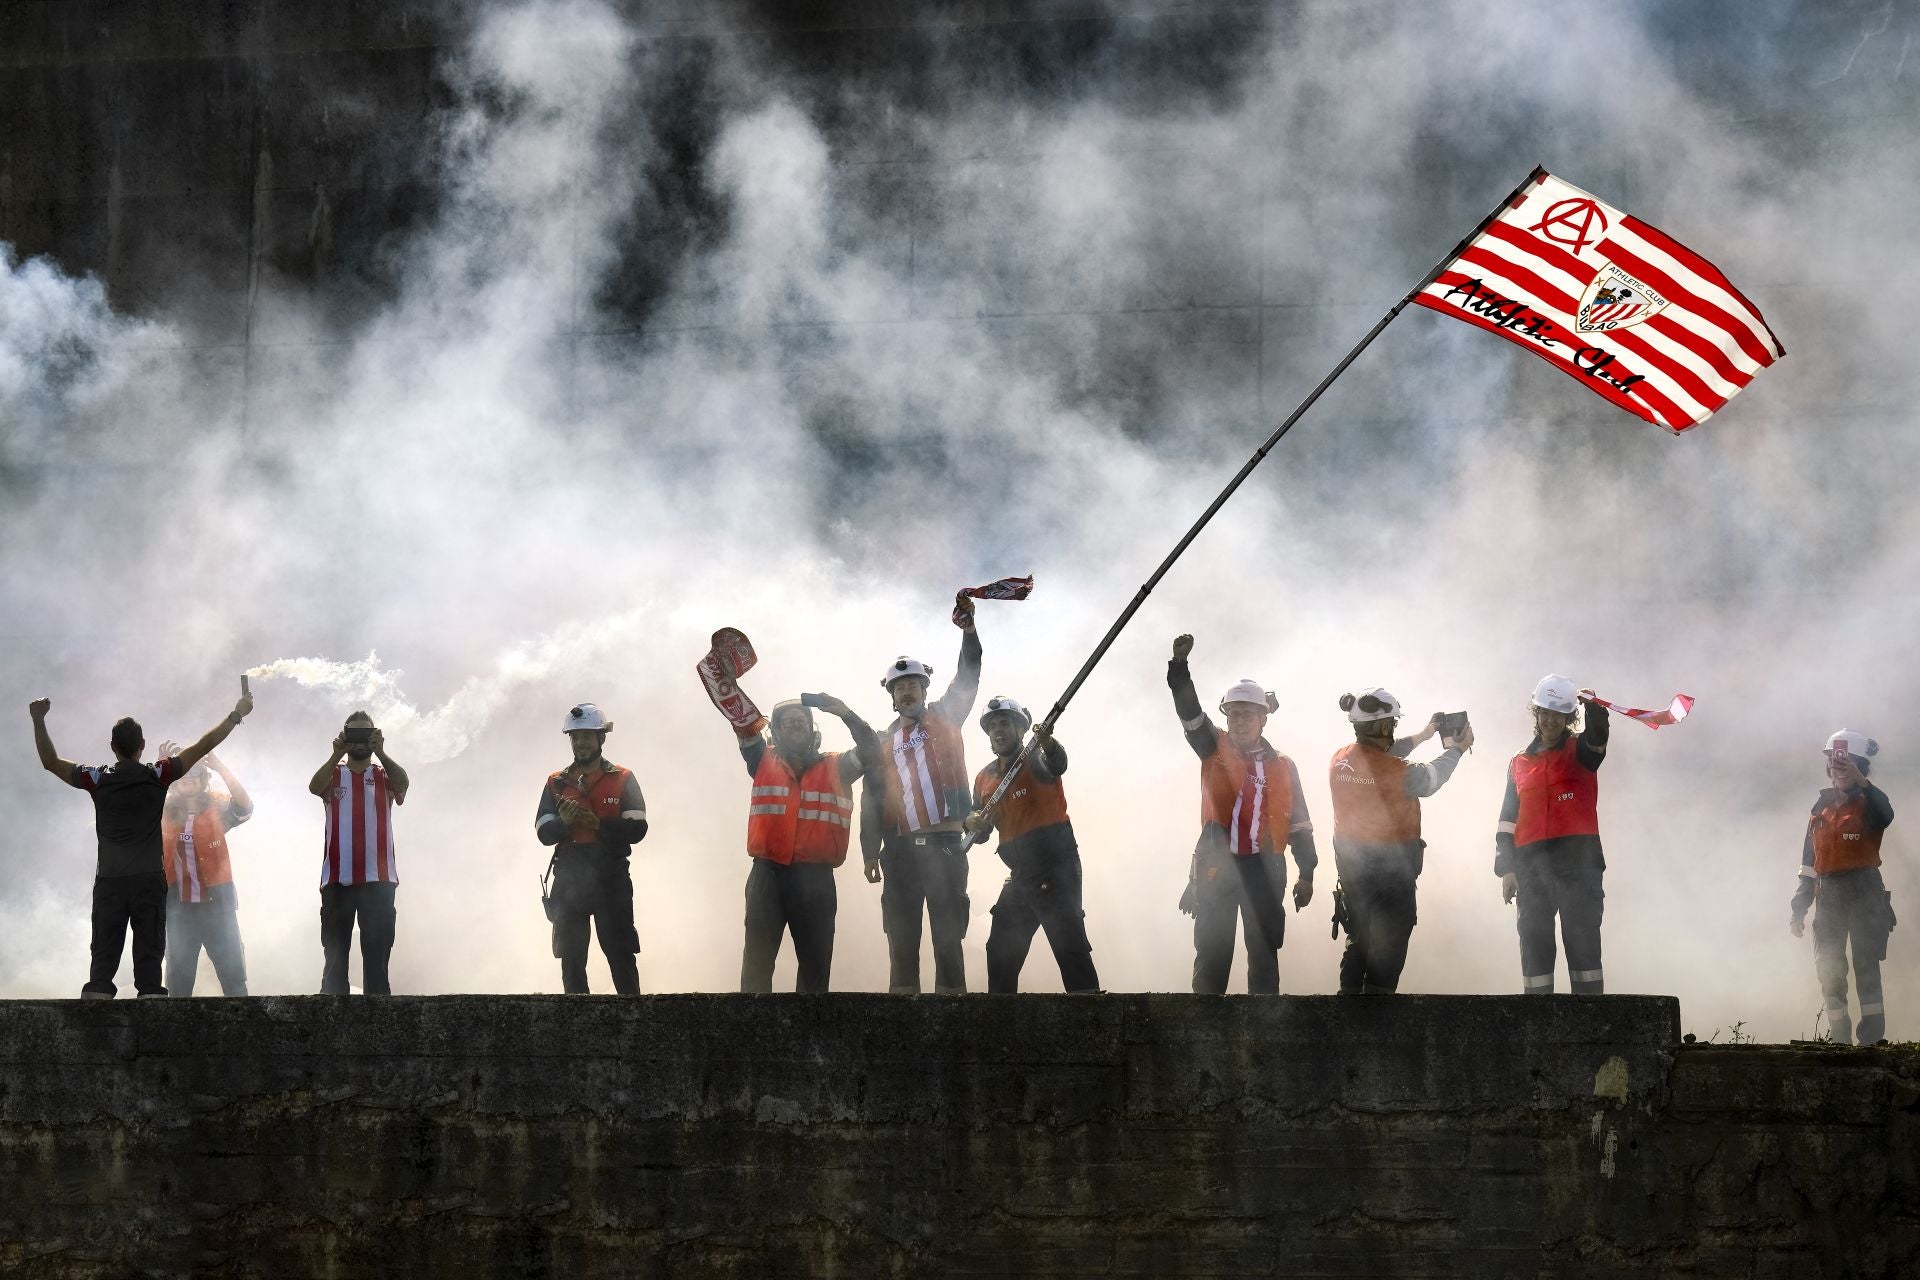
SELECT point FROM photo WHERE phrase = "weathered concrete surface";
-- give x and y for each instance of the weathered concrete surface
(854, 1135)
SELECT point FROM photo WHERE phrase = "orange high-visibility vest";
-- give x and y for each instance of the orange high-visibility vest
(1370, 800)
(799, 819)
(1558, 796)
(598, 792)
(1224, 773)
(1841, 841)
(188, 879)
(1028, 805)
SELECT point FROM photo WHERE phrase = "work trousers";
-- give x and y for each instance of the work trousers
(1561, 877)
(593, 893)
(372, 905)
(213, 925)
(1852, 907)
(797, 898)
(1249, 890)
(929, 869)
(1043, 892)
(1377, 883)
(138, 902)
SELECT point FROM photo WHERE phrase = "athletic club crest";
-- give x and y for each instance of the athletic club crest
(1616, 300)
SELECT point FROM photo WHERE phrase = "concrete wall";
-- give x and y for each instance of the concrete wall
(875, 1136)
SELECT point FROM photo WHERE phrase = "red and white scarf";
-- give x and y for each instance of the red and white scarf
(1673, 713)
(1250, 807)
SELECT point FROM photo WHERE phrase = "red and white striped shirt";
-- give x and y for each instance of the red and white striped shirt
(359, 842)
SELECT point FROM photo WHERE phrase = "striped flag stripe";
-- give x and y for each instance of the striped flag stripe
(1649, 405)
(1715, 357)
(1674, 400)
(1715, 316)
(1706, 271)
(1698, 377)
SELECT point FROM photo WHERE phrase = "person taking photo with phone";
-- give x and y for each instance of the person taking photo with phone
(1377, 847)
(359, 875)
(129, 880)
(799, 825)
(1547, 846)
(1840, 875)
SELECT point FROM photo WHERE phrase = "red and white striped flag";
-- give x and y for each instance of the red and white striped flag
(1622, 306)
(1673, 713)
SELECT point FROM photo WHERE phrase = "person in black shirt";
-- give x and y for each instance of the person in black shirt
(130, 885)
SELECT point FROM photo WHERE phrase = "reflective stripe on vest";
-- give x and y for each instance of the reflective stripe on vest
(1841, 841)
(1222, 776)
(1558, 796)
(1370, 800)
(815, 827)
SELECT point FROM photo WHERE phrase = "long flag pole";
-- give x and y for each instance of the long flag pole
(1259, 455)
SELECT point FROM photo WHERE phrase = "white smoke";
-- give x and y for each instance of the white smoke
(978, 332)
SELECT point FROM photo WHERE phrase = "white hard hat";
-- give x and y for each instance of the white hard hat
(902, 667)
(586, 716)
(1853, 742)
(1369, 705)
(1556, 693)
(996, 705)
(1249, 690)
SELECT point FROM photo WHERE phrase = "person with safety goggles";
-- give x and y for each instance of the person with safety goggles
(799, 825)
(1251, 810)
(1042, 890)
(1840, 873)
(1377, 847)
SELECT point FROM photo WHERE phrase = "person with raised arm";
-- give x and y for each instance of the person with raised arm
(1252, 810)
(130, 880)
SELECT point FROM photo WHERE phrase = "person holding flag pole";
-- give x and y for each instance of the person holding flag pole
(1633, 314)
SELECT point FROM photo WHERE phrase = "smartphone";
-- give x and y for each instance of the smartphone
(358, 734)
(1452, 724)
(811, 699)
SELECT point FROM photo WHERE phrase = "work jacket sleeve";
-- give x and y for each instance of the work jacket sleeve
(1202, 736)
(233, 813)
(753, 749)
(547, 822)
(1592, 751)
(631, 826)
(1503, 834)
(1422, 780)
(956, 704)
(1803, 887)
(1048, 762)
(1879, 814)
(871, 799)
(866, 749)
(1300, 834)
